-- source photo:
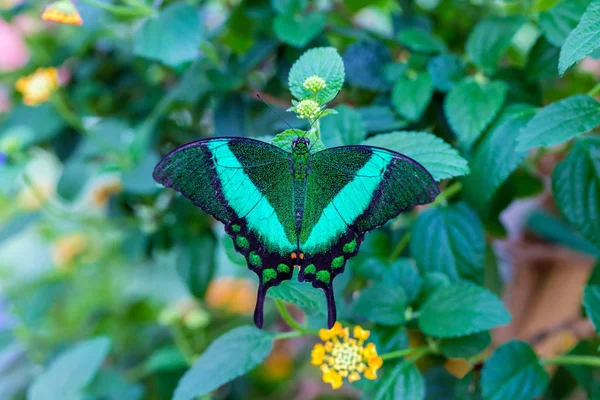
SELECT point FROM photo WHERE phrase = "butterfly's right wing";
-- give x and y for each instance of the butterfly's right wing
(247, 185)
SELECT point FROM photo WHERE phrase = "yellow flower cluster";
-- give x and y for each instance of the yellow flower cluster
(39, 86)
(314, 83)
(344, 357)
(308, 109)
(63, 12)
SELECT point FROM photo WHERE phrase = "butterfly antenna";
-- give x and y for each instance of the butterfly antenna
(276, 113)
(325, 108)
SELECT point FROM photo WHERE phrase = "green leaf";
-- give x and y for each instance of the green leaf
(446, 70)
(404, 273)
(471, 106)
(230, 356)
(75, 174)
(289, 6)
(438, 157)
(449, 240)
(542, 61)
(557, 22)
(513, 372)
(344, 128)
(285, 139)
(465, 346)
(496, 157)
(300, 294)
(411, 95)
(490, 39)
(71, 371)
(576, 188)
(591, 302)
(168, 358)
(402, 382)
(552, 228)
(382, 303)
(583, 40)
(196, 262)
(137, 180)
(173, 37)
(324, 62)
(298, 30)
(421, 41)
(461, 309)
(380, 119)
(560, 121)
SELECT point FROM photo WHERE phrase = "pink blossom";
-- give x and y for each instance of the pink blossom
(13, 50)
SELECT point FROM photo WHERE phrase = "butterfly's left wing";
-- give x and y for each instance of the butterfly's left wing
(248, 186)
(351, 190)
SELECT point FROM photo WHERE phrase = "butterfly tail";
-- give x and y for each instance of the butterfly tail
(331, 310)
(260, 303)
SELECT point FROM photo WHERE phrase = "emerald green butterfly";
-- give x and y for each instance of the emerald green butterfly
(297, 208)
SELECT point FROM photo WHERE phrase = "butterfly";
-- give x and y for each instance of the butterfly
(299, 208)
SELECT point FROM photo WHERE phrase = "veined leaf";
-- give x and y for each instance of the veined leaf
(513, 372)
(560, 121)
(344, 128)
(173, 37)
(382, 303)
(231, 355)
(324, 62)
(583, 40)
(411, 96)
(557, 22)
(438, 157)
(450, 240)
(446, 70)
(421, 41)
(496, 157)
(490, 39)
(298, 31)
(576, 188)
(471, 106)
(461, 309)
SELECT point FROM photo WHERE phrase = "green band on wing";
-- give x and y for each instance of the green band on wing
(347, 205)
(247, 200)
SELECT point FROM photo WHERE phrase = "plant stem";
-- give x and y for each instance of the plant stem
(183, 345)
(292, 323)
(447, 194)
(595, 90)
(400, 246)
(289, 335)
(591, 361)
(417, 351)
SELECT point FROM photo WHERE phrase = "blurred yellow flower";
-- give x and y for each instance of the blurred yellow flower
(231, 294)
(187, 312)
(63, 12)
(342, 356)
(67, 248)
(37, 87)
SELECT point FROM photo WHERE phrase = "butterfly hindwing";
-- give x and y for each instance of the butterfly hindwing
(351, 190)
(247, 185)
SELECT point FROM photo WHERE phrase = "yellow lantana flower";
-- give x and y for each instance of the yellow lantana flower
(63, 12)
(37, 87)
(342, 356)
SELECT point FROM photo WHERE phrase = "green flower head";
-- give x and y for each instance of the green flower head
(314, 84)
(308, 109)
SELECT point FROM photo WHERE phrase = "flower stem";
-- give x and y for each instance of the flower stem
(416, 351)
(289, 335)
(292, 323)
(591, 361)
(594, 91)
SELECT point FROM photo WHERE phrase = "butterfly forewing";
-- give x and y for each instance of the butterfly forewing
(247, 185)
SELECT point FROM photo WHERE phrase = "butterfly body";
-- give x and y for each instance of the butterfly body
(295, 208)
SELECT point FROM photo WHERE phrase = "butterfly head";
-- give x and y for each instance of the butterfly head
(300, 145)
